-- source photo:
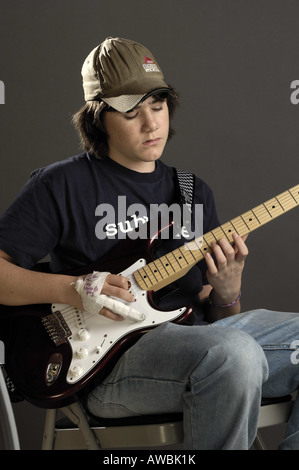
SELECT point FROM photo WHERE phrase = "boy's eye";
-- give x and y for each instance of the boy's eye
(134, 113)
(131, 115)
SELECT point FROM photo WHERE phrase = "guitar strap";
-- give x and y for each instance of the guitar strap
(185, 183)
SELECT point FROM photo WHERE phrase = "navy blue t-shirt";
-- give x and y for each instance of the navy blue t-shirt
(60, 212)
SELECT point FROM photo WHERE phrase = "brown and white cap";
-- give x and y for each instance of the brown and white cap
(121, 73)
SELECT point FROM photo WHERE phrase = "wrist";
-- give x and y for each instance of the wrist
(69, 295)
(219, 302)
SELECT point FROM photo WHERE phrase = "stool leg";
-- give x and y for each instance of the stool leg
(76, 414)
(49, 430)
(7, 422)
(259, 443)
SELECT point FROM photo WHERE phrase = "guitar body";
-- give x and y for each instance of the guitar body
(55, 353)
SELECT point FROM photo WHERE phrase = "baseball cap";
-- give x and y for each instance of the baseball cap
(121, 73)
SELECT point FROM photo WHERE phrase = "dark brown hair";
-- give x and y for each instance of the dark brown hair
(89, 123)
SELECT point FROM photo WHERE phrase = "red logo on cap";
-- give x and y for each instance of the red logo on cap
(148, 60)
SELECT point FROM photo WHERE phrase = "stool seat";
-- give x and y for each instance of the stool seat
(127, 421)
(271, 401)
(138, 420)
(78, 429)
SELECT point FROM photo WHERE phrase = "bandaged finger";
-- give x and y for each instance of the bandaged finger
(121, 309)
(90, 289)
(91, 285)
(93, 301)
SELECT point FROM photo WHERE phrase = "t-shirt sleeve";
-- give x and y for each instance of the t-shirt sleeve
(30, 227)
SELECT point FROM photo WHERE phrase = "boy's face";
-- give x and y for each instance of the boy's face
(137, 139)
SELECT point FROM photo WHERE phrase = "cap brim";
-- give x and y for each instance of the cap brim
(125, 103)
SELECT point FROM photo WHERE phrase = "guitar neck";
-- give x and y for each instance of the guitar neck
(162, 271)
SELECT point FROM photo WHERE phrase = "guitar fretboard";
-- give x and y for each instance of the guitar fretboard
(161, 272)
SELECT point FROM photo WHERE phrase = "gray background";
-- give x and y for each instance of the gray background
(232, 61)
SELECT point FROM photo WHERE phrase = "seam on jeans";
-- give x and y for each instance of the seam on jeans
(149, 379)
(285, 346)
(107, 405)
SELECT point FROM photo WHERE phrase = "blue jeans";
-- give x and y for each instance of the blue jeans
(215, 374)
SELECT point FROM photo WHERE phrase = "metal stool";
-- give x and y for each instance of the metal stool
(82, 431)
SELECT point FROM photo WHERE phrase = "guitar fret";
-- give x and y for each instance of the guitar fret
(225, 234)
(197, 252)
(140, 280)
(263, 214)
(289, 203)
(209, 237)
(198, 243)
(234, 223)
(206, 246)
(255, 211)
(233, 228)
(273, 208)
(175, 264)
(183, 257)
(172, 261)
(292, 192)
(280, 204)
(153, 271)
(242, 227)
(244, 222)
(160, 268)
(191, 247)
(144, 276)
(216, 232)
(288, 199)
(228, 230)
(178, 258)
(189, 252)
(156, 271)
(251, 220)
(268, 210)
(166, 264)
(149, 274)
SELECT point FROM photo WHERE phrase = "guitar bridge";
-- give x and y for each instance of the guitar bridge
(56, 327)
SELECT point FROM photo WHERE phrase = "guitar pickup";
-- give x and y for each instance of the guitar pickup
(56, 327)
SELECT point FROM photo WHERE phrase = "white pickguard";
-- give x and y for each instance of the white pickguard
(94, 335)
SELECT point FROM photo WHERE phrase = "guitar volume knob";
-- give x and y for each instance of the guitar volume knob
(83, 334)
(82, 353)
(75, 371)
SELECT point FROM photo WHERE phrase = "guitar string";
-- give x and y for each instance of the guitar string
(257, 217)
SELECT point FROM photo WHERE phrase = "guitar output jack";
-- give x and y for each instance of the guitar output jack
(53, 369)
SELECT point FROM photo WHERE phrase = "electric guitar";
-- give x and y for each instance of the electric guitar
(54, 353)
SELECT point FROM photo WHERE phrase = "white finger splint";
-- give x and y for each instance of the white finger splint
(90, 289)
